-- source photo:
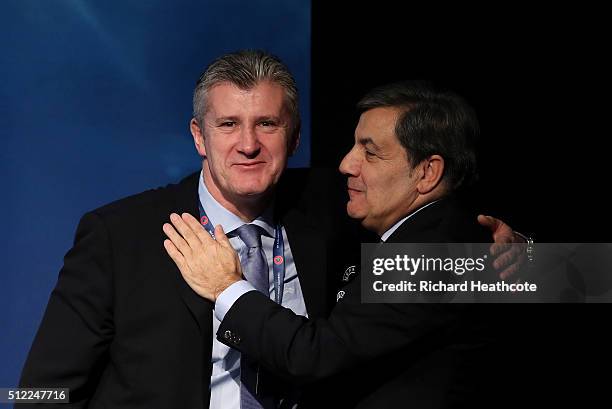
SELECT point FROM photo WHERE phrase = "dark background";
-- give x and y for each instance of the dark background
(539, 83)
(536, 78)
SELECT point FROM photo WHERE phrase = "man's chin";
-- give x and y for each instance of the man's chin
(254, 190)
(353, 212)
(251, 193)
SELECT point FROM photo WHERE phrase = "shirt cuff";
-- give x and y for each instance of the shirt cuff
(229, 296)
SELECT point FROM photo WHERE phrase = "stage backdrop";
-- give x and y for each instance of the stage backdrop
(95, 103)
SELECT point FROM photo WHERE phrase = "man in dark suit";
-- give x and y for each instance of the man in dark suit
(122, 327)
(414, 146)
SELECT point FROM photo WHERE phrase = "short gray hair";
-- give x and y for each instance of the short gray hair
(245, 69)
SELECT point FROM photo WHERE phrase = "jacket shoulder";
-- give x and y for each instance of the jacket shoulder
(162, 197)
(447, 221)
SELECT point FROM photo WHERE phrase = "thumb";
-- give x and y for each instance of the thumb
(489, 222)
(221, 237)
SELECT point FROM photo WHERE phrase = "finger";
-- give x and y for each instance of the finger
(503, 260)
(509, 272)
(176, 239)
(221, 237)
(196, 227)
(185, 230)
(175, 255)
(498, 248)
(512, 255)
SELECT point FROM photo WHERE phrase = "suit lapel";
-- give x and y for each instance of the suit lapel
(186, 201)
(309, 250)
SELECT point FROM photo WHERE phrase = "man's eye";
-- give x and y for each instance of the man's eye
(267, 123)
(228, 124)
(370, 154)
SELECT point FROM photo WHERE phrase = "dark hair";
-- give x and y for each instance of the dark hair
(433, 121)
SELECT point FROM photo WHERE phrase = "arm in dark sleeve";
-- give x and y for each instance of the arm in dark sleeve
(310, 350)
(71, 347)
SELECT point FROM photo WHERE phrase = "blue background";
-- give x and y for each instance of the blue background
(95, 103)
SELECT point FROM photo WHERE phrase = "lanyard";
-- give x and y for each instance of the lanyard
(278, 259)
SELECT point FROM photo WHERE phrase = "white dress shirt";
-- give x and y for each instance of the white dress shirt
(397, 225)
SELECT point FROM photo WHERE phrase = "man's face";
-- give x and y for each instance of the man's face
(245, 138)
(381, 185)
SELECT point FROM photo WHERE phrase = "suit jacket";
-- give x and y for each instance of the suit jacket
(373, 355)
(122, 329)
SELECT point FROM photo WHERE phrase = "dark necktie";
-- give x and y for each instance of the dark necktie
(254, 266)
(255, 270)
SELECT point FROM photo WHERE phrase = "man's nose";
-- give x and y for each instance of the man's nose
(350, 164)
(249, 142)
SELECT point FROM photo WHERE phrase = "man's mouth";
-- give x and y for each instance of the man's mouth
(353, 191)
(249, 165)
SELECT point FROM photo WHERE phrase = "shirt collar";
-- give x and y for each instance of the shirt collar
(217, 214)
(397, 225)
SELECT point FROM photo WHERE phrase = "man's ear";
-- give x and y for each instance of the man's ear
(294, 144)
(432, 171)
(198, 137)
